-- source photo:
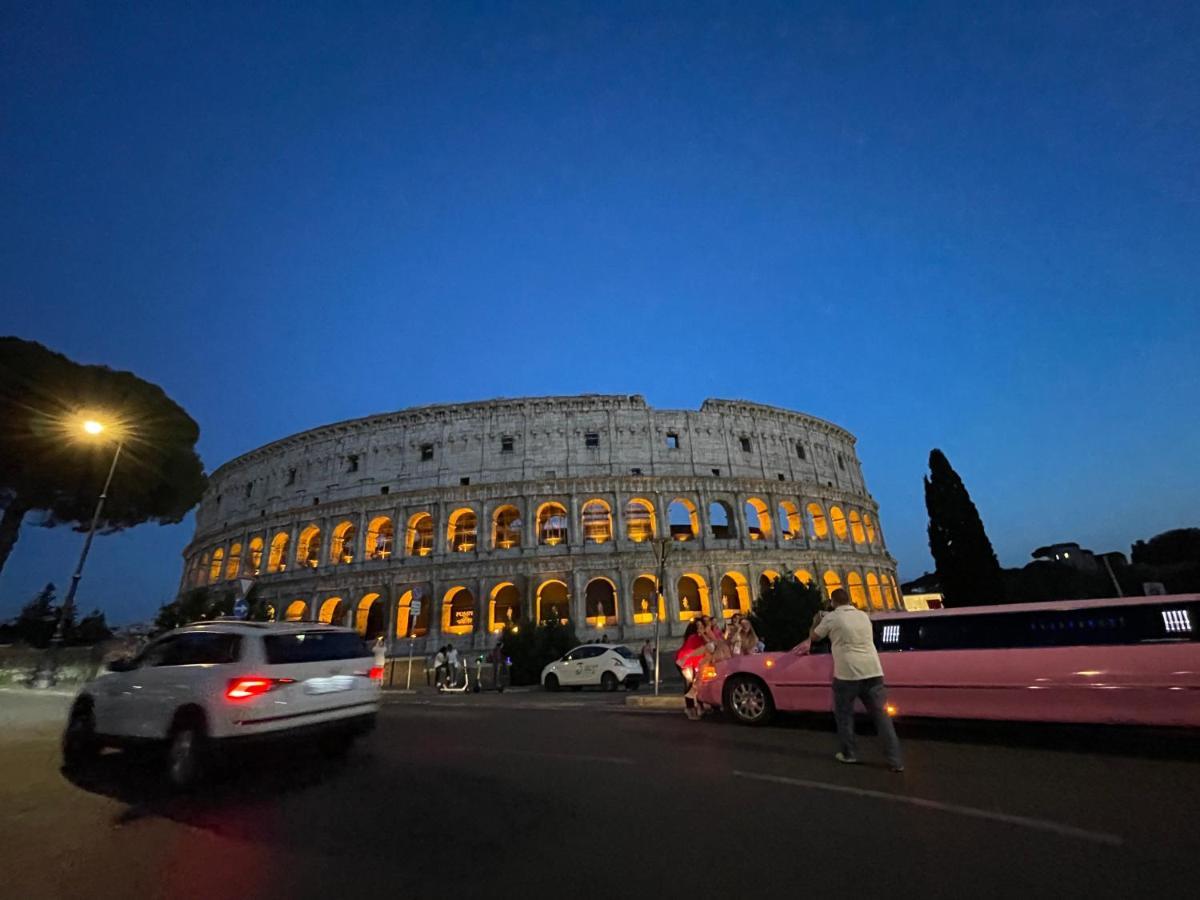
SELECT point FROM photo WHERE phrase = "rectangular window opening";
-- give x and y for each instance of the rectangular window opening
(745, 441)
(717, 472)
(506, 445)
(672, 440)
(426, 452)
(635, 471)
(385, 489)
(591, 439)
(352, 462)
(291, 479)
(465, 480)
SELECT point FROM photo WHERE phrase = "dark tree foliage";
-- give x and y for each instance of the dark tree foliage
(45, 469)
(1180, 546)
(36, 622)
(1046, 580)
(966, 564)
(92, 629)
(784, 612)
(196, 605)
(532, 647)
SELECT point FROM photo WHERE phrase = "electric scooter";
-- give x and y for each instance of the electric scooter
(455, 687)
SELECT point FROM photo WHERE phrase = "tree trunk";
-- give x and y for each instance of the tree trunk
(10, 527)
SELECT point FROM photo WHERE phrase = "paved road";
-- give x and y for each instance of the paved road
(530, 795)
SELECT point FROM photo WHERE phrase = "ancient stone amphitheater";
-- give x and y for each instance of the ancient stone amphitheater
(479, 514)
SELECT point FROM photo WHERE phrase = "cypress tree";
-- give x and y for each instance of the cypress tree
(966, 564)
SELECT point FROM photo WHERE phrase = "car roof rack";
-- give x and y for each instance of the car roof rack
(227, 620)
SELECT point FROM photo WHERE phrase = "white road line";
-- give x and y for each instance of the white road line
(1098, 837)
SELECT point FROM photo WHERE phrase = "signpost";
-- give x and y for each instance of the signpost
(241, 609)
(660, 546)
(414, 611)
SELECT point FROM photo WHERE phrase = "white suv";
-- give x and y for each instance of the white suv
(216, 684)
(605, 666)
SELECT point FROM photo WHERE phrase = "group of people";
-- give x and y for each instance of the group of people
(706, 643)
(446, 663)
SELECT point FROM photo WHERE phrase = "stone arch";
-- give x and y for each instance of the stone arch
(805, 576)
(202, 569)
(233, 566)
(380, 536)
(890, 592)
(766, 579)
(873, 591)
(817, 522)
(721, 524)
(692, 591)
(341, 544)
(596, 519)
(683, 520)
(758, 519)
(645, 590)
(506, 527)
(735, 594)
(308, 548)
(640, 522)
(254, 556)
(832, 580)
(458, 611)
(370, 616)
(854, 584)
(331, 611)
(837, 519)
(404, 618)
(600, 602)
(504, 606)
(552, 524)
(214, 570)
(790, 526)
(461, 529)
(869, 526)
(295, 611)
(553, 599)
(418, 535)
(277, 559)
(857, 532)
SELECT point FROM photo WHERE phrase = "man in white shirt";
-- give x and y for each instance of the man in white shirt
(857, 673)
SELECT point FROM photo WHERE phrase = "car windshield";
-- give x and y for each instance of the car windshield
(624, 651)
(314, 646)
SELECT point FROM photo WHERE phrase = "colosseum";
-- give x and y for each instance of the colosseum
(482, 514)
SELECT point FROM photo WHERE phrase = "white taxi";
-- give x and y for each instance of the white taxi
(606, 666)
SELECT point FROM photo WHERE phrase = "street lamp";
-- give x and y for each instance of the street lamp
(47, 672)
(661, 546)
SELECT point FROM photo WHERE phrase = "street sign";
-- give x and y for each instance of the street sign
(414, 610)
(241, 608)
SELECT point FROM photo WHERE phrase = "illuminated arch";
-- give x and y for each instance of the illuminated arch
(857, 532)
(804, 576)
(418, 537)
(758, 519)
(644, 592)
(254, 557)
(692, 591)
(461, 530)
(295, 611)
(720, 521)
(369, 617)
(766, 579)
(596, 518)
(873, 591)
(837, 519)
(552, 524)
(404, 621)
(600, 602)
(889, 591)
(458, 611)
(640, 522)
(870, 528)
(683, 520)
(277, 560)
(331, 612)
(202, 569)
(214, 570)
(308, 548)
(553, 600)
(233, 567)
(789, 521)
(380, 535)
(833, 581)
(504, 606)
(735, 594)
(506, 528)
(341, 546)
(854, 584)
(817, 521)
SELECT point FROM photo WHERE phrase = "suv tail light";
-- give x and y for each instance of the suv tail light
(252, 686)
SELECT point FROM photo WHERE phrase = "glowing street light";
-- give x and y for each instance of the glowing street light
(91, 426)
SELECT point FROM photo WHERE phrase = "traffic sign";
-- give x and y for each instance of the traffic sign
(241, 608)
(415, 609)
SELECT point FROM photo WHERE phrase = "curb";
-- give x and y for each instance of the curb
(36, 692)
(672, 702)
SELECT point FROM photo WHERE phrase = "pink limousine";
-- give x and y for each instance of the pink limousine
(1119, 661)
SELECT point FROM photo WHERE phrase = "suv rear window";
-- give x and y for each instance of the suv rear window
(313, 646)
(624, 651)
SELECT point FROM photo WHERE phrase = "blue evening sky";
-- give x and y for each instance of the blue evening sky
(976, 229)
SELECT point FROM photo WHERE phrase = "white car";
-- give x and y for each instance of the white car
(217, 684)
(594, 665)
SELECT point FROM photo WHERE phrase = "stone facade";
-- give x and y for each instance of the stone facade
(536, 507)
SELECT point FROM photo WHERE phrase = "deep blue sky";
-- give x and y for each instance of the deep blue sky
(972, 229)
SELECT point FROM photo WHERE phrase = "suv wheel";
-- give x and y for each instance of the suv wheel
(748, 700)
(552, 682)
(186, 752)
(608, 681)
(79, 743)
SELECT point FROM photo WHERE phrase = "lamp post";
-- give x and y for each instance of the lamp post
(47, 672)
(660, 546)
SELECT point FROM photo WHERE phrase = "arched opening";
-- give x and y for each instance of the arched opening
(404, 617)
(202, 569)
(873, 591)
(505, 606)
(277, 560)
(639, 520)
(552, 524)
(418, 537)
(644, 594)
(720, 521)
(331, 612)
(233, 567)
(789, 521)
(870, 527)
(255, 556)
(857, 532)
(370, 617)
(692, 591)
(683, 520)
(735, 594)
(837, 519)
(380, 533)
(766, 579)
(460, 532)
(458, 611)
(600, 602)
(889, 592)
(832, 582)
(214, 570)
(295, 611)
(341, 546)
(758, 519)
(596, 516)
(553, 601)
(817, 522)
(308, 550)
(506, 528)
(804, 576)
(858, 595)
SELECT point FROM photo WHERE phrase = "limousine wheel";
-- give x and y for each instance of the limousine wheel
(748, 700)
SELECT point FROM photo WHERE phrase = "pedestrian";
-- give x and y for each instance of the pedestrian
(379, 652)
(604, 639)
(857, 674)
(746, 640)
(647, 655)
(439, 666)
(452, 665)
(497, 661)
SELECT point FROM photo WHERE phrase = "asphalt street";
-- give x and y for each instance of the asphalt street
(534, 795)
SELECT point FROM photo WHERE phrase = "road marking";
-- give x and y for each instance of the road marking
(1098, 837)
(573, 757)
